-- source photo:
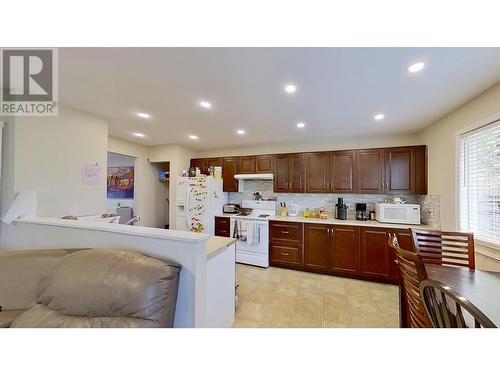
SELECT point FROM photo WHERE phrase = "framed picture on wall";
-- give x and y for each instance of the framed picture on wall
(121, 182)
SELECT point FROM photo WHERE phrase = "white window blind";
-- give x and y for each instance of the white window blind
(479, 191)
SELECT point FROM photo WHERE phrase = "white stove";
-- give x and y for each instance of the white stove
(252, 231)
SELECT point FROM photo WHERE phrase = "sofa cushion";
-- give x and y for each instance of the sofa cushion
(111, 283)
(20, 272)
(40, 316)
(7, 317)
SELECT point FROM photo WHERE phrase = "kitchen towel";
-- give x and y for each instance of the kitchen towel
(251, 232)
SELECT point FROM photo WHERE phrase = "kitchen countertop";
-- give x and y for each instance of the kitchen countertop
(217, 244)
(330, 220)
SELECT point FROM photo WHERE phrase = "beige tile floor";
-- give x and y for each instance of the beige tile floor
(277, 297)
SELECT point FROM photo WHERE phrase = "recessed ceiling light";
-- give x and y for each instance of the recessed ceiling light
(242, 132)
(143, 115)
(301, 125)
(290, 88)
(379, 116)
(205, 104)
(192, 136)
(417, 67)
(140, 135)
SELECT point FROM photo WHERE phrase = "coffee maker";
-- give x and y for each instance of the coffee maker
(361, 211)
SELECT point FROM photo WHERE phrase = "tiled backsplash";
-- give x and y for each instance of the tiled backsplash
(429, 203)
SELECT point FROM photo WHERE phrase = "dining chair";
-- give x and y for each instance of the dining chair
(412, 272)
(445, 248)
(446, 308)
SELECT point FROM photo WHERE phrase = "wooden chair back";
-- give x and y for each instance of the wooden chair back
(445, 248)
(448, 309)
(412, 272)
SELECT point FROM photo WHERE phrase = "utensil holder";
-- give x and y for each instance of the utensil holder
(283, 211)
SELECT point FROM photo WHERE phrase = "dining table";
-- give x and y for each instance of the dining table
(481, 288)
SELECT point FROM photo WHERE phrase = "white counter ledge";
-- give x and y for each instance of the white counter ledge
(330, 220)
(216, 244)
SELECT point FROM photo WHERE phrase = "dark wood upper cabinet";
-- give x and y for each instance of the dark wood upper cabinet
(343, 171)
(345, 250)
(317, 246)
(281, 168)
(317, 166)
(370, 167)
(200, 163)
(399, 170)
(247, 164)
(213, 162)
(375, 259)
(264, 164)
(420, 169)
(289, 173)
(296, 174)
(229, 169)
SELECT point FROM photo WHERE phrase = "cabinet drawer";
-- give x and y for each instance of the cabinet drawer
(281, 253)
(222, 232)
(284, 231)
(222, 221)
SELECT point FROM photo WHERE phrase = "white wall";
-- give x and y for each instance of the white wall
(48, 153)
(440, 137)
(150, 193)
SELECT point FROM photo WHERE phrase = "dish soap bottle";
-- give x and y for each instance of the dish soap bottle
(307, 212)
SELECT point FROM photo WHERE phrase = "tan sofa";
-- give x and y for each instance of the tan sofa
(86, 288)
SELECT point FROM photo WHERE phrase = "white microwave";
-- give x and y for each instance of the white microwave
(397, 213)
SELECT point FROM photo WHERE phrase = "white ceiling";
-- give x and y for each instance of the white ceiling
(339, 91)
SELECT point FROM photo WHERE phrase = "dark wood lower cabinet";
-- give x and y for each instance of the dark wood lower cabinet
(222, 227)
(341, 250)
(317, 243)
(375, 260)
(344, 254)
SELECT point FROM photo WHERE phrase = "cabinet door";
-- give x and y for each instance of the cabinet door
(374, 253)
(296, 174)
(370, 171)
(229, 169)
(345, 249)
(214, 162)
(247, 164)
(317, 246)
(317, 172)
(264, 164)
(281, 168)
(342, 171)
(200, 163)
(222, 227)
(399, 170)
(420, 169)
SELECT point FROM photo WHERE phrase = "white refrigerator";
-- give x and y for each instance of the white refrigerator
(199, 199)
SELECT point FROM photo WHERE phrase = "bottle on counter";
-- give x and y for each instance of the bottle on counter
(372, 215)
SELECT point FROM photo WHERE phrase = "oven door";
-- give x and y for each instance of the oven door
(260, 245)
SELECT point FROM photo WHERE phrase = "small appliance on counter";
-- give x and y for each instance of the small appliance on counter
(340, 209)
(342, 212)
(293, 210)
(361, 211)
(397, 213)
(230, 208)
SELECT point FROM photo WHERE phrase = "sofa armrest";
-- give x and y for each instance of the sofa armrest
(8, 316)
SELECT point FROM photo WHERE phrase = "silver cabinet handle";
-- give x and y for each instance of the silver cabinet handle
(285, 232)
(286, 254)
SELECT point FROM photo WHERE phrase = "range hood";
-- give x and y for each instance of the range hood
(254, 176)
